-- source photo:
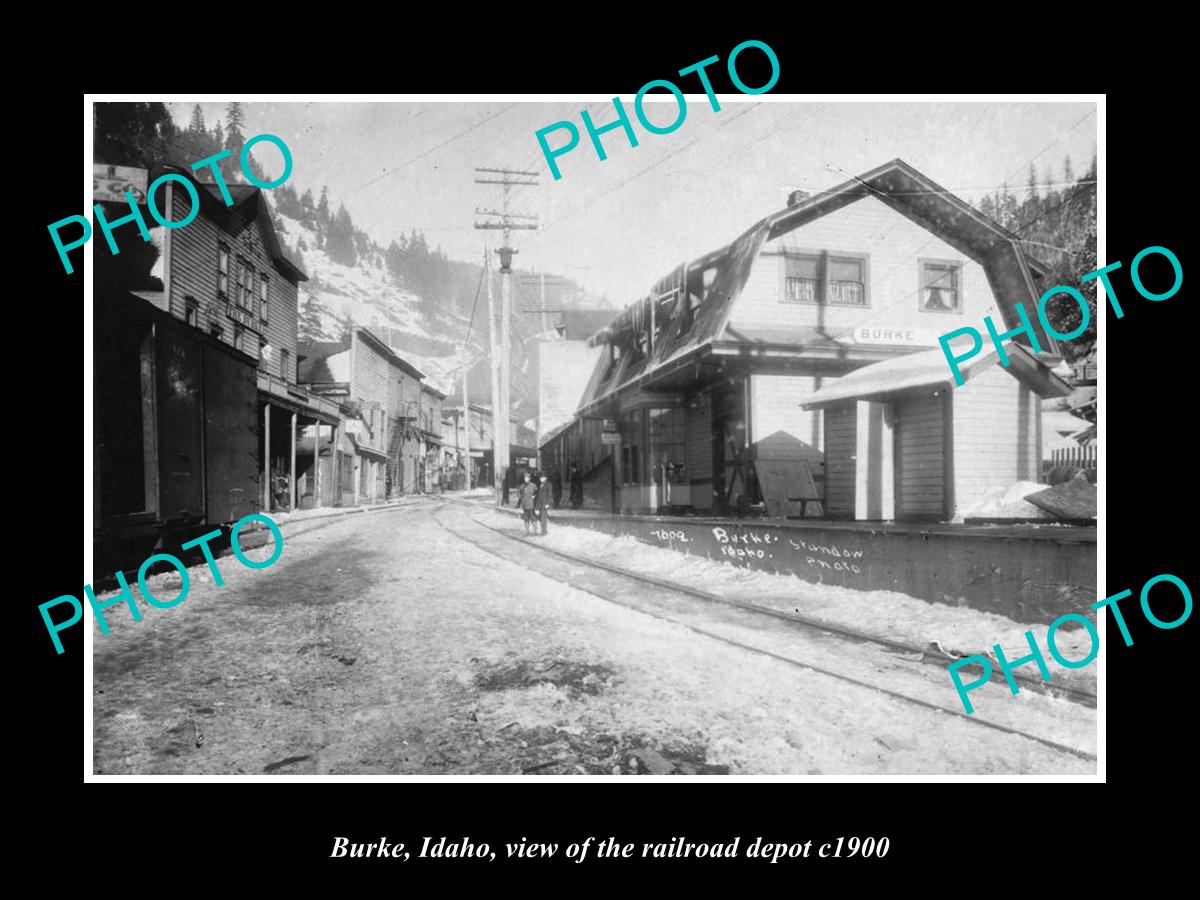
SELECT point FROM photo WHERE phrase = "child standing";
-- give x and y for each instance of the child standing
(542, 503)
(526, 499)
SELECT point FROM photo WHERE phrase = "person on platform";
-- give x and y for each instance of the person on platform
(526, 500)
(541, 503)
(556, 486)
(576, 486)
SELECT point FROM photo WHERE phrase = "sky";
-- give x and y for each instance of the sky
(617, 226)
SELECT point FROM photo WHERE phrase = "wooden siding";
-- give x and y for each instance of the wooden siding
(841, 430)
(894, 245)
(995, 435)
(698, 429)
(920, 455)
(370, 376)
(193, 272)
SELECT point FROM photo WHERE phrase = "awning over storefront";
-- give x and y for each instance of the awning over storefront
(366, 451)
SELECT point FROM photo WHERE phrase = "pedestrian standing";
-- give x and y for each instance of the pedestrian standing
(542, 503)
(556, 484)
(526, 500)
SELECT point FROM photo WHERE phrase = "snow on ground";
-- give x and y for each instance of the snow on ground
(352, 655)
(888, 614)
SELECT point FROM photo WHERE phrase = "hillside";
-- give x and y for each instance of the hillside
(427, 325)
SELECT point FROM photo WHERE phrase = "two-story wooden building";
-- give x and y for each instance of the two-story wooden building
(197, 404)
(380, 395)
(696, 401)
(228, 274)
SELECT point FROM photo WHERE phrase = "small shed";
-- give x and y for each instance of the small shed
(903, 443)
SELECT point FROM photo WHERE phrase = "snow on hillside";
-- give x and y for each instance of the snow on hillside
(369, 294)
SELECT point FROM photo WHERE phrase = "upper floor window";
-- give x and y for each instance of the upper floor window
(941, 286)
(803, 274)
(239, 337)
(192, 312)
(222, 271)
(245, 283)
(285, 365)
(696, 288)
(847, 282)
(641, 344)
(822, 278)
(262, 297)
(614, 358)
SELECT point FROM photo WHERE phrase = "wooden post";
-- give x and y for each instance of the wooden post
(266, 507)
(466, 430)
(317, 467)
(335, 469)
(292, 472)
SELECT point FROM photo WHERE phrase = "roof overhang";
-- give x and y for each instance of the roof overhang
(929, 369)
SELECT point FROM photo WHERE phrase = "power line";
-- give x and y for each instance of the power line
(1062, 137)
(640, 173)
(474, 306)
(421, 156)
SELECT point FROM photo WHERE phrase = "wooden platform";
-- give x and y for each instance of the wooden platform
(1029, 573)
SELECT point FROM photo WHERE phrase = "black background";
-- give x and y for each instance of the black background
(951, 836)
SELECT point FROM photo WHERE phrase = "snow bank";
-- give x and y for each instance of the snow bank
(888, 614)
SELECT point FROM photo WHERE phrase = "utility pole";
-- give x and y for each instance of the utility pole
(467, 419)
(494, 365)
(509, 178)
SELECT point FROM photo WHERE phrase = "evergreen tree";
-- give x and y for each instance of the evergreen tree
(1068, 172)
(323, 207)
(235, 140)
(346, 326)
(312, 313)
(197, 126)
(235, 123)
(306, 202)
(340, 239)
(287, 202)
(218, 135)
(1029, 209)
(134, 134)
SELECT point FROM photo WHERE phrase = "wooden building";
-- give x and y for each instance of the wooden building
(380, 397)
(903, 443)
(522, 450)
(196, 399)
(696, 403)
(228, 274)
(429, 433)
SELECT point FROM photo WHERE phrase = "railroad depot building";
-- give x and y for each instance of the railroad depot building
(197, 399)
(713, 393)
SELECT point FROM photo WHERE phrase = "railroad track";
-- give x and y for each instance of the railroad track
(663, 596)
(929, 654)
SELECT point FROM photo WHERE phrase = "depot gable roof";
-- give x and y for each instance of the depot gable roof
(896, 183)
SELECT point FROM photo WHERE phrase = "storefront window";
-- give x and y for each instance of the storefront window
(668, 446)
